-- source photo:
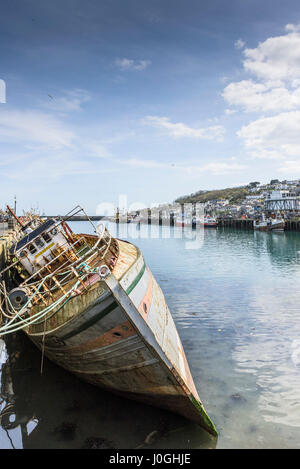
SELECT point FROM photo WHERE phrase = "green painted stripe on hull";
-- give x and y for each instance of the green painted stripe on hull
(136, 280)
(92, 321)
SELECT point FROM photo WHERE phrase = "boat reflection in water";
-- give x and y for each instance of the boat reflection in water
(57, 410)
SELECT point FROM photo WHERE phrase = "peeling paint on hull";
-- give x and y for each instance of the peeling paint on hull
(120, 336)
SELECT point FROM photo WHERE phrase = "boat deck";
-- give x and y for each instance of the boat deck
(128, 254)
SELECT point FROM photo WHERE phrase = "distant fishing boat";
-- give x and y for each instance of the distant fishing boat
(91, 304)
(208, 222)
(269, 224)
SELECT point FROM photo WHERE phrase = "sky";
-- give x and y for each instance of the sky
(145, 100)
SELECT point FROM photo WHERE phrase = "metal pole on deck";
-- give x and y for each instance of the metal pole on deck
(15, 216)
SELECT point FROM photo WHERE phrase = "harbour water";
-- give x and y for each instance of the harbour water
(235, 300)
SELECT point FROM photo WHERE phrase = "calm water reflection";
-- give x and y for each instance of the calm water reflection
(235, 301)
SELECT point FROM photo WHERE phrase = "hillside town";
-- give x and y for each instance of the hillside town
(248, 201)
(277, 196)
(244, 202)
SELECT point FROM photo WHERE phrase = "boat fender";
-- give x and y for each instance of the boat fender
(18, 297)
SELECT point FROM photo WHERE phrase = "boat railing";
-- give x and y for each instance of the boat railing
(89, 252)
(61, 276)
(46, 266)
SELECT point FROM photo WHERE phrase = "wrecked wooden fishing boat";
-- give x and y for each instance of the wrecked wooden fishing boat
(91, 305)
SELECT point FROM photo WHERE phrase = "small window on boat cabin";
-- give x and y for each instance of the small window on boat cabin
(31, 248)
(39, 242)
(46, 237)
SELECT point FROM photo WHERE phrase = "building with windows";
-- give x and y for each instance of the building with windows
(282, 200)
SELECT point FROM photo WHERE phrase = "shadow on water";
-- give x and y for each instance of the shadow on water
(57, 410)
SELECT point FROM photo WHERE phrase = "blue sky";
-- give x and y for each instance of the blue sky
(149, 99)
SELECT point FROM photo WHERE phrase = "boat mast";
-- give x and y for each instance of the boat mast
(15, 216)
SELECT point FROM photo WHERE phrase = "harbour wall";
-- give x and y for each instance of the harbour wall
(291, 225)
(239, 223)
(236, 223)
(247, 224)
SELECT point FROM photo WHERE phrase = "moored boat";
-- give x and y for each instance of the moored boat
(91, 304)
(209, 222)
(269, 224)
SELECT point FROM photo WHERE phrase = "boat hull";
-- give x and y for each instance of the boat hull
(275, 227)
(196, 224)
(120, 336)
(210, 225)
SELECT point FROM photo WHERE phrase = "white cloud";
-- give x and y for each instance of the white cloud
(33, 126)
(272, 90)
(228, 112)
(215, 168)
(277, 58)
(129, 64)
(239, 44)
(142, 163)
(219, 168)
(179, 129)
(275, 67)
(261, 97)
(2, 91)
(54, 166)
(264, 154)
(96, 149)
(280, 134)
(72, 101)
(8, 158)
(290, 167)
(43, 144)
(292, 27)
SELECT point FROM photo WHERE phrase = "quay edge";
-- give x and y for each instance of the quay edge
(247, 224)
(240, 223)
(236, 223)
